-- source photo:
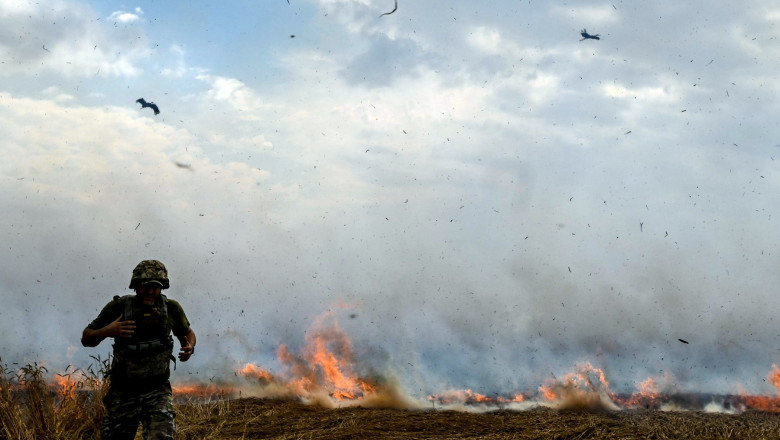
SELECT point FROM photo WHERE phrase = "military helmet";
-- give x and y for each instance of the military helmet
(149, 270)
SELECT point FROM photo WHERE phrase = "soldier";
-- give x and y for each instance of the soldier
(141, 325)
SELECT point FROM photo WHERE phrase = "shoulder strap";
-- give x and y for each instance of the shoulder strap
(165, 324)
(128, 307)
(164, 306)
(168, 325)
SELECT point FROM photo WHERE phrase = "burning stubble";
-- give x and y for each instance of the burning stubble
(324, 372)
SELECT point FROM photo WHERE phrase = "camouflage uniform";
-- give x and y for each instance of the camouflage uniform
(139, 386)
(126, 408)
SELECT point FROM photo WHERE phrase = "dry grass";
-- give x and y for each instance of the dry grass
(33, 408)
(288, 420)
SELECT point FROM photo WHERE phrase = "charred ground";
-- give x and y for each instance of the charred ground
(251, 418)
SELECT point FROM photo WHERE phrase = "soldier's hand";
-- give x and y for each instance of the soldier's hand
(185, 352)
(120, 329)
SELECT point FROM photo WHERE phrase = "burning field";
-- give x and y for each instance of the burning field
(319, 393)
(318, 396)
(276, 419)
(325, 374)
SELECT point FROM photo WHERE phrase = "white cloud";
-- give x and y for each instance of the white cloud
(543, 87)
(652, 93)
(234, 93)
(225, 89)
(597, 15)
(126, 17)
(488, 40)
(181, 67)
(772, 15)
(51, 90)
(78, 45)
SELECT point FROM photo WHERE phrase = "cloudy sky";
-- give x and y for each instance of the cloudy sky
(479, 198)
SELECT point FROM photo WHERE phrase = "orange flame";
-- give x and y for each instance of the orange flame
(65, 387)
(459, 396)
(548, 392)
(766, 403)
(774, 377)
(470, 397)
(255, 372)
(586, 388)
(202, 390)
(648, 395)
(518, 397)
(324, 365)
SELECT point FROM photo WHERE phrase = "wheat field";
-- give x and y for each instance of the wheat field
(33, 407)
(288, 420)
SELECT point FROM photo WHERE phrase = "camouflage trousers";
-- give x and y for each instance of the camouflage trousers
(126, 408)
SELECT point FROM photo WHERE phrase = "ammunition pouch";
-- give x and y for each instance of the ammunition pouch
(148, 346)
(142, 362)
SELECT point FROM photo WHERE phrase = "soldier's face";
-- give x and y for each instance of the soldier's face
(148, 293)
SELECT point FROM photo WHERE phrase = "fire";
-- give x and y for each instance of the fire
(762, 403)
(203, 391)
(65, 387)
(470, 397)
(548, 393)
(765, 403)
(586, 388)
(774, 377)
(325, 371)
(255, 372)
(648, 395)
(516, 398)
(460, 396)
(324, 366)
(69, 384)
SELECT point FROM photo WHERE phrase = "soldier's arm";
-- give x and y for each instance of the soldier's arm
(116, 329)
(187, 345)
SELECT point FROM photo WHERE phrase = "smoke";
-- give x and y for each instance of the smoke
(491, 221)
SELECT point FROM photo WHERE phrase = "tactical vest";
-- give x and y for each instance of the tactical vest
(145, 361)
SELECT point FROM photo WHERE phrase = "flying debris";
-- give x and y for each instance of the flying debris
(586, 35)
(151, 105)
(394, 9)
(683, 341)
